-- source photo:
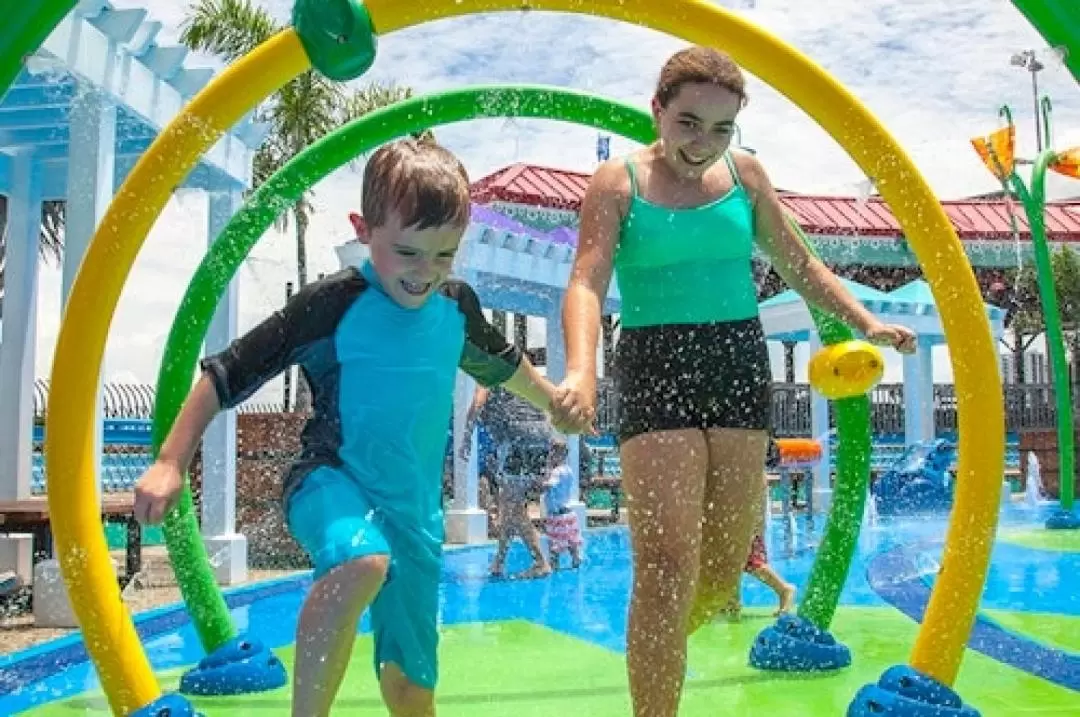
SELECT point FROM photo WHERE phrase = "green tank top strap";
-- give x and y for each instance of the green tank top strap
(731, 166)
(687, 265)
(633, 176)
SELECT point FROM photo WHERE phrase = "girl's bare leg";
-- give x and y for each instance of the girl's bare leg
(664, 479)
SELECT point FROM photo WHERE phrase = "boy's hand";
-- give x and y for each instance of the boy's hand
(156, 492)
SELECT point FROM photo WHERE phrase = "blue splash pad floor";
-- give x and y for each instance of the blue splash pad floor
(1030, 597)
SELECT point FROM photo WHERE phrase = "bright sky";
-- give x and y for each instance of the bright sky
(935, 72)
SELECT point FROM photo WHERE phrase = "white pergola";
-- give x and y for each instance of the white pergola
(785, 317)
(86, 106)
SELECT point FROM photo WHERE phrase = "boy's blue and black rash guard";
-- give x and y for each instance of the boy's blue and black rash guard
(381, 378)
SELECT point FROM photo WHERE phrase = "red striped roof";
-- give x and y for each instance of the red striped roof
(533, 185)
(832, 216)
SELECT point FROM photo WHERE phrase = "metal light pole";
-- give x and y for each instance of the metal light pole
(1030, 62)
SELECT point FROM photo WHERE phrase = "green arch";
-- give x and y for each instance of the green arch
(193, 571)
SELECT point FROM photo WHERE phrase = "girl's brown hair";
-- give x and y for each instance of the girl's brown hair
(699, 65)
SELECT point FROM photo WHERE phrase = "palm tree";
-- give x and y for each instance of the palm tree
(51, 247)
(303, 111)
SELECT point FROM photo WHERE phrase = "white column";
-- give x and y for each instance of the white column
(919, 394)
(466, 522)
(227, 548)
(91, 181)
(819, 429)
(926, 376)
(556, 369)
(17, 353)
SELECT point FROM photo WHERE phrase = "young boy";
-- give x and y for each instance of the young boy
(560, 522)
(380, 346)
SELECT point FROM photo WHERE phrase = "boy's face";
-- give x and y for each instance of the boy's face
(411, 263)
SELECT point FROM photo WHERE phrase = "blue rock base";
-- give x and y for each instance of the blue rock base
(794, 644)
(905, 692)
(239, 667)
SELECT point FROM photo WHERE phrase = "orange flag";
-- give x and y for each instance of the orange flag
(1068, 163)
(996, 151)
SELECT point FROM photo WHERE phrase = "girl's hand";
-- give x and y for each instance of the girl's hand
(898, 337)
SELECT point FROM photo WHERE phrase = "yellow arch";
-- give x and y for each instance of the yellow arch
(109, 635)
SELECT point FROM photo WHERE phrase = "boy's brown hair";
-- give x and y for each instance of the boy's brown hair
(424, 183)
(699, 64)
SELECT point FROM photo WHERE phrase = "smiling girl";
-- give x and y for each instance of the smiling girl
(678, 221)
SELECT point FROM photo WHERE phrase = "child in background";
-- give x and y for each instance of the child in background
(561, 523)
(757, 564)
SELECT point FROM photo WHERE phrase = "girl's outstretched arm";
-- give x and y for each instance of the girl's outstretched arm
(803, 271)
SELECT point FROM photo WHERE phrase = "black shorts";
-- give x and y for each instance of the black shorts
(693, 376)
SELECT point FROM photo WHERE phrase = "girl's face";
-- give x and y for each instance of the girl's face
(696, 127)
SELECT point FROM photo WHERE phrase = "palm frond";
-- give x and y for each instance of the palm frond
(373, 97)
(53, 222)
(50, 245)
(302, 112)
(227, 28)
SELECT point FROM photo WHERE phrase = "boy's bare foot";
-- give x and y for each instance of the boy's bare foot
(536, 571)
(787, 599)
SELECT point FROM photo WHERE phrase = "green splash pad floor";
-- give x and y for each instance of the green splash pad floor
(526, 670)
(1063, 541)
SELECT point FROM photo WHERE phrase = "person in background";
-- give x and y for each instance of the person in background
(517, 444)
(560, 522)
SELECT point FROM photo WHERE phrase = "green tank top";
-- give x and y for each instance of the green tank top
(687, 266)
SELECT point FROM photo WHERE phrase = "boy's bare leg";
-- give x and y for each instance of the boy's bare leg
(327, 631)
(403, 697)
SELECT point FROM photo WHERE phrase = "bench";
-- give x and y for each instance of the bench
(31, 515)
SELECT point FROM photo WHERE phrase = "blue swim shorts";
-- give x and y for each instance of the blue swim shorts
(334, 521)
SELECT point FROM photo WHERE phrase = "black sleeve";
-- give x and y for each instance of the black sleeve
(280, 340)
(487, 355)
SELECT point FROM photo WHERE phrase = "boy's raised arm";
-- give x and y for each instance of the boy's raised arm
(157, 490)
